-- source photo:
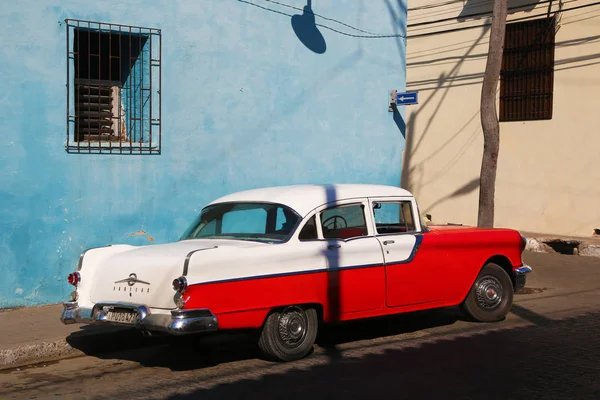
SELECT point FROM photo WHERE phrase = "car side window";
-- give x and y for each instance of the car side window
(344, 222)
(309, 231)
(393, 217)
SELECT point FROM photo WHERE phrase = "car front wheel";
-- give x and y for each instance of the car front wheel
(289, 334)
(491, 295)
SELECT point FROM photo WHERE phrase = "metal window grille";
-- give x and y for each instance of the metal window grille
(113, 88)
(527, 76)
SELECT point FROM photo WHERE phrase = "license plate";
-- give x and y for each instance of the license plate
(125, 317)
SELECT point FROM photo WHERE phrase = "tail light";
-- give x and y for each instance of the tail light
(74, 278)
(180, 284)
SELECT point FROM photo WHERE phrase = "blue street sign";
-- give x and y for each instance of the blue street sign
(407, 98)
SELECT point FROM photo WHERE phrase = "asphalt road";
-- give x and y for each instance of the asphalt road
(548, 347)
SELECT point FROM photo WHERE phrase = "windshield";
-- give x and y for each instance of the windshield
(251, 221)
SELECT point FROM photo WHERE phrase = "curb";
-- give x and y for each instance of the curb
(37, 353)
(95, 342)
(562, 246)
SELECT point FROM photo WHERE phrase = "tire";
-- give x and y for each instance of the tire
(289, 334)
(491, 296)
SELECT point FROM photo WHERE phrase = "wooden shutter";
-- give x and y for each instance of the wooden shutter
(527, 77)
(95, 108)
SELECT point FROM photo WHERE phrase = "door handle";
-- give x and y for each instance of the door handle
(333, 246)
(388, 242)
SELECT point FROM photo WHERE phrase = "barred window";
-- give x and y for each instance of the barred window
(527, 76)
(113, 88)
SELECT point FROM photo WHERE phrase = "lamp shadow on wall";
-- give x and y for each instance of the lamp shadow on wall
(306, 30)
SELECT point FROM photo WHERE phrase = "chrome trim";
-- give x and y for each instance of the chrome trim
(186, 263)
(80, 264)
(525, 269)
(180, 322)
(521, 276)
(132, 280)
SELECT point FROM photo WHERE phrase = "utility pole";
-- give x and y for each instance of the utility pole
(489, 117)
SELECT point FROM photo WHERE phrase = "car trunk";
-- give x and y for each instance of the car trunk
(143, 275)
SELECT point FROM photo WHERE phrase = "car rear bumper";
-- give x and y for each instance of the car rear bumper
(521, 276)
(177, 322)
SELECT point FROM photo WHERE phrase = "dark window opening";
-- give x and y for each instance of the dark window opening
(115, 93)
(309, 231)
(527, 76)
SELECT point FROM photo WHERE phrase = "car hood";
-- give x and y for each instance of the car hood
(144, 274)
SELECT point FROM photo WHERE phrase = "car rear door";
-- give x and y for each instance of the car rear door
(398, 229)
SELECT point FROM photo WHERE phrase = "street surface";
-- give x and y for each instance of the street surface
(548, 347)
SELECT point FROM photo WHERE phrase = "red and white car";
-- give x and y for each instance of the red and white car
(283, 259)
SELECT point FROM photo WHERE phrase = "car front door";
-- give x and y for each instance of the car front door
(397, 228)
(355, 260)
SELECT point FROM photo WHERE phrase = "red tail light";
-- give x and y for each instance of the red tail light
(74, 278)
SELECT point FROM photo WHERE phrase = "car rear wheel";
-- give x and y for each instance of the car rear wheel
(289, 334)
(491, 295)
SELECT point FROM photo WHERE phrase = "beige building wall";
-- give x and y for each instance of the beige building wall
(548, 171)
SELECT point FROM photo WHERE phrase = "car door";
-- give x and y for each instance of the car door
(397, 228)
(354, 256)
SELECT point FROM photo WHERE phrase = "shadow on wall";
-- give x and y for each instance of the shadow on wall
(485, 7)
(304, 25)
(463, 190)
(399, 121)
(306, 30)
(436, 100)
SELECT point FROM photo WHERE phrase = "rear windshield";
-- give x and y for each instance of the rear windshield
(246, 221)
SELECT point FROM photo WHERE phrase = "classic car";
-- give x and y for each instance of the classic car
(283, 260)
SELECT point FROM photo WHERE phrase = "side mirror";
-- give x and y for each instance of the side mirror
(376, 206)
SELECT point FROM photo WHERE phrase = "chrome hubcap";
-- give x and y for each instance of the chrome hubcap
(292, 326)
(489, 292)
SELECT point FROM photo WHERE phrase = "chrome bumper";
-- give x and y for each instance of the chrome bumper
(521, 276)
(178, 322)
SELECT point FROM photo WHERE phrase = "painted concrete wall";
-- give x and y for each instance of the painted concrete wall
(548, 171)
(245, 104)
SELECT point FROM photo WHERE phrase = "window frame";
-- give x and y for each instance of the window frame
(536, 103)
(340, 205)
(147, 99)
(418, 228)
(317, 214)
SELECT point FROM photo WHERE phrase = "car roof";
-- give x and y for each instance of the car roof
(305, 198)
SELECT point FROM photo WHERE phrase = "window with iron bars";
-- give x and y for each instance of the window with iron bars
(113, 88)
(527, 75)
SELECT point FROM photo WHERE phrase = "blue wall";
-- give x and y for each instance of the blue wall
(245, 104)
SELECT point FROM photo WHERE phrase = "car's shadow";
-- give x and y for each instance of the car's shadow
(197, 351)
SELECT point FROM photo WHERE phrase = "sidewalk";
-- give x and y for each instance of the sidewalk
(545, 243)
(35, 334)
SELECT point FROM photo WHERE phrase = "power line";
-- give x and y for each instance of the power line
(477, 14)
(321, 16)
(382, 36)
(445, 3)
(489, 23)
(452, 21)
